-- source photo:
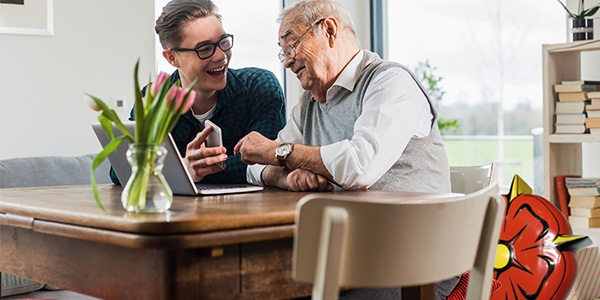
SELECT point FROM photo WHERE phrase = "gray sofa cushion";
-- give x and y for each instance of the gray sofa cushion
(45, 171)
(50, 171)
(13, 285)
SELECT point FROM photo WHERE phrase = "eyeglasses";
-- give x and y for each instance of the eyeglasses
(208, 50)
(289, 51)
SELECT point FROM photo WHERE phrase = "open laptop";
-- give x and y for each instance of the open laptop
(174, 170)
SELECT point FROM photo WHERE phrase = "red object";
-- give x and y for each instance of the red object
(460, 290)
(563, 193)
(536, 257)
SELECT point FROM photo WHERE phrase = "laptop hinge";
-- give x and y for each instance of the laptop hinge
(16, 221)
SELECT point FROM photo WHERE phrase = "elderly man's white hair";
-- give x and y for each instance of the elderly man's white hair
(308, 12)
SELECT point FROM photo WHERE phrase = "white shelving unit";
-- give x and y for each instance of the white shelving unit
(562, 152)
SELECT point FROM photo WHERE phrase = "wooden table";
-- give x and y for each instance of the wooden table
(209, 247)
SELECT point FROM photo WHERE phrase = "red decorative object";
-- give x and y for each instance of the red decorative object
(536, 257)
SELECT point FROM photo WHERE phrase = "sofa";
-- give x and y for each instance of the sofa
(46, 171)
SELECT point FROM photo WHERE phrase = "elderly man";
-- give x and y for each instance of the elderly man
(362, 122)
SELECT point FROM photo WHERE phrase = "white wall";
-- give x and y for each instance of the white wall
(43, 78)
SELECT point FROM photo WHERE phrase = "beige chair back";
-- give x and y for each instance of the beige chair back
(346, 241)
(468, 179)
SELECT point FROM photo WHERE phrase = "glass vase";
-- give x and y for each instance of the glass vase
(147, 189)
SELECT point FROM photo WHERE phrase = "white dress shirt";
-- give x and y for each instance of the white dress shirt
(394, 111)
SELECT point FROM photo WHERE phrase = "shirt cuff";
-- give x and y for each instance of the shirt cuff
(253, 174)
(337, 161)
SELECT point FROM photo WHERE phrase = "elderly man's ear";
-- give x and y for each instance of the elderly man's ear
(331, 30)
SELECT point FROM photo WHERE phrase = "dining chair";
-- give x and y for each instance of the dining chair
(468, 179)
(342, 241)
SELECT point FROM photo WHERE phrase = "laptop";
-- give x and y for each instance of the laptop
(174, 170)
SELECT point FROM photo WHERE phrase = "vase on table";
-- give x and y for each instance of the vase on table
(147, 189)
(583, 29)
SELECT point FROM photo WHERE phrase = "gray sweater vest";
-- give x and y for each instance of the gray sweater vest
(422, 167)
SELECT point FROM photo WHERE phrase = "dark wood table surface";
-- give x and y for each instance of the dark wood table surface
(235, 246)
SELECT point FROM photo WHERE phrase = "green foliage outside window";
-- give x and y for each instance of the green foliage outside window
(424, 72)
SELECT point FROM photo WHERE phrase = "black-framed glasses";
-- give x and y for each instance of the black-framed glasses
(206, 51)
(289, 51)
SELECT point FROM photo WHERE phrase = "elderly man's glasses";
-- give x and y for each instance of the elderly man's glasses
(206, 51)
(289, 51)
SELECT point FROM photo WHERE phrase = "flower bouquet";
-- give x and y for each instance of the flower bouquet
(155, 114)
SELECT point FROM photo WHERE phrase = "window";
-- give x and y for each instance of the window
(488, 54)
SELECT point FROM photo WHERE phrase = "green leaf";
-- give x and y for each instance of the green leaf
(590, 12)
(95, 191)
(108, 113)
(569, 12)
(106, 125)
(100, 157)
(139, 104)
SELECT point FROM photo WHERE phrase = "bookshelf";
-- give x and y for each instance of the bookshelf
(562, 152)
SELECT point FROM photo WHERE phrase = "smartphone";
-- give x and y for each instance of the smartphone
(214, 138)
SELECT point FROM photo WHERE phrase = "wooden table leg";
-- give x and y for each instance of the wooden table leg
(423, 292)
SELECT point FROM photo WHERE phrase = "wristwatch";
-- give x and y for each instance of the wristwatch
(282, 152)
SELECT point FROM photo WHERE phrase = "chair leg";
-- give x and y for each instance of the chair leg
(330, 253)
(423, 292)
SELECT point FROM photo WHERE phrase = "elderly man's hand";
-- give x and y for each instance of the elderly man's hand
(301, 180)
(200, 160)
(256, 149)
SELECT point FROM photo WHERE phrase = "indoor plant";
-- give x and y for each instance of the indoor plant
(583, 29)
(156, 114)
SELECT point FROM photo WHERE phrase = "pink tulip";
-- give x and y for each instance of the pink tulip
(158, 82)
(171, 95)
(180, 95)
(189, 102)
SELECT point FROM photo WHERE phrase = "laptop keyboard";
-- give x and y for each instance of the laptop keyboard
(216, 187)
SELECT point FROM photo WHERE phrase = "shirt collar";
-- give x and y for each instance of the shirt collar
(347, 78)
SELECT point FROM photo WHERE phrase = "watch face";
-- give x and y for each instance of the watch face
(284, 149)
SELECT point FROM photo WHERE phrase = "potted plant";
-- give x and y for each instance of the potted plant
(583, 29)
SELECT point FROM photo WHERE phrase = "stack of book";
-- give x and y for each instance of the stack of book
(573, 99)
(592, 121)
(585, 201)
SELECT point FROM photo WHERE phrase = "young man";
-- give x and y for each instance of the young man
(239, 101)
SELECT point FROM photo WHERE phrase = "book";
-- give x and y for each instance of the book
(594, 130)
(576, 107)
(570, 118)
(592, 122)
(584, 201)
(593, 106)
(573, 96)
(584, 222)
(582, 182)
(561, 88)
(593, 113)
(594, 95)
(562, 193)
(585, 181)
(570, 128)
(584, 191)
(580, 82)
(585, 212)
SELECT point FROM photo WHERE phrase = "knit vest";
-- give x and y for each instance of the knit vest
(422, 167)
